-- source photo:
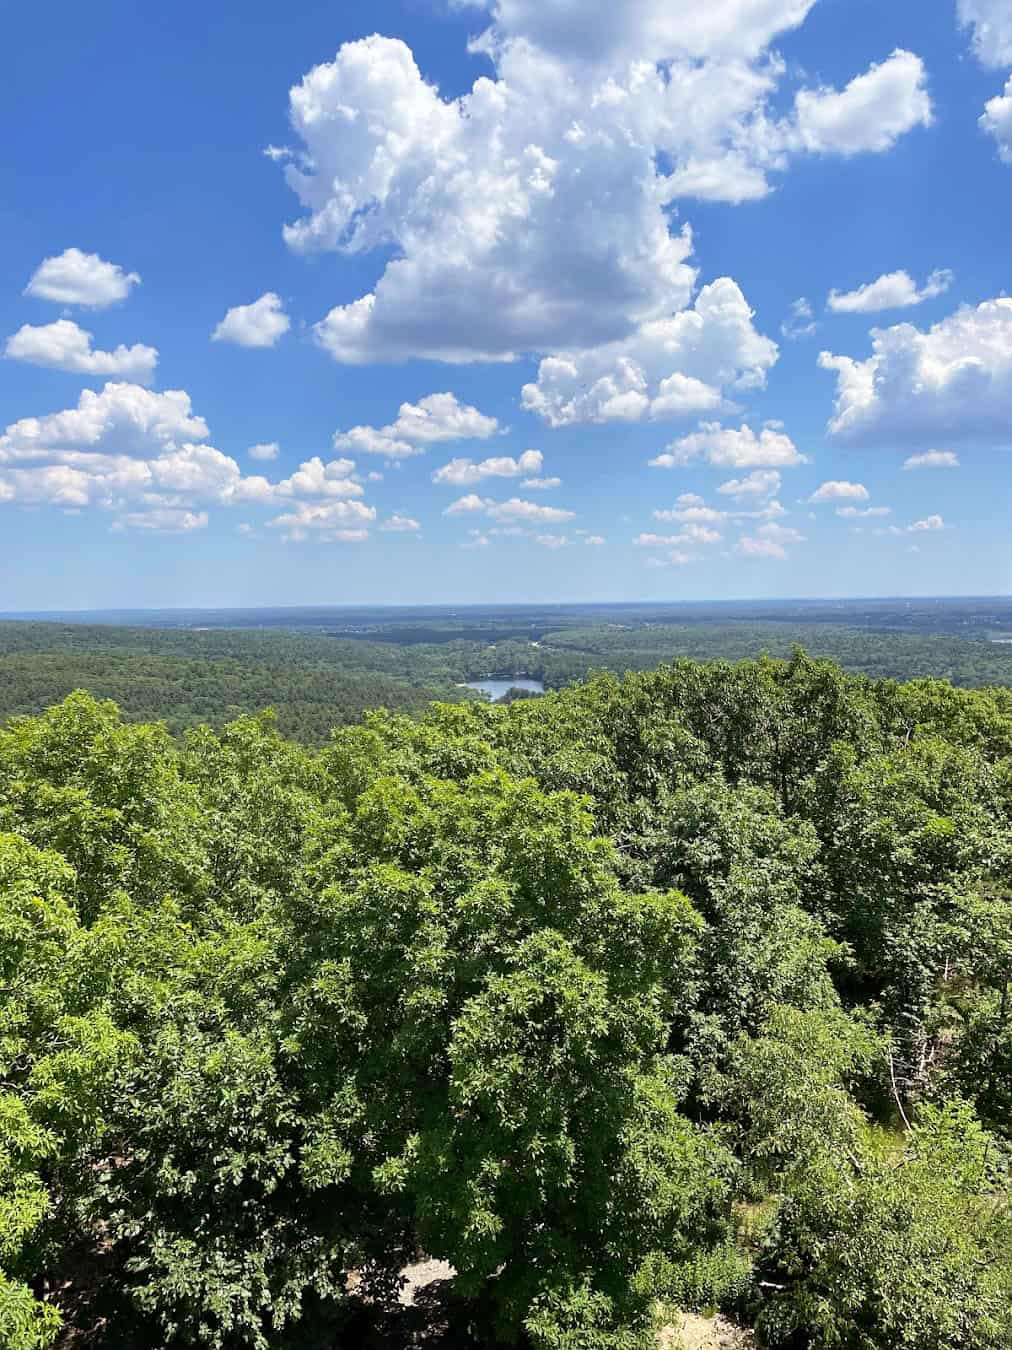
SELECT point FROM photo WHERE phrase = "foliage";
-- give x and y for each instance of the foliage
(687, 988)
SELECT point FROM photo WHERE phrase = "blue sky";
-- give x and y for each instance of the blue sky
(431, 237)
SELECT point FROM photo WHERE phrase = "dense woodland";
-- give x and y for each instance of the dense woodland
(684, 990)
(315, 680)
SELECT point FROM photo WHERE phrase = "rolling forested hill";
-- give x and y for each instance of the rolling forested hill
(317, 678)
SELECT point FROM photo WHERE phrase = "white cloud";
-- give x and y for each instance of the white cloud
(863, 513)
(441, 417)
(143, 456)
(997, 121)
(514, 510)
(871, 113)
(268, 450)
(991, 21)
(760, 483)
(369, 441)
(434, 419)
(648, 29)
(465, 472)
(595, 540)
(260, 324)
(64, 346)
(398, 524)
(726, 448)
(163, 520)
(529, 512)
(541, 484)
(553, 541)
(930, 525)
(670, 368)
(123, 419)
(676, 558)
(952, 382)
(894, 290)
(77, 278)
(770, 541)
(837, 490)
(530, 215)
(316, 479)
(331, 522)
(932, 459)
(690, 509)
(800, 323)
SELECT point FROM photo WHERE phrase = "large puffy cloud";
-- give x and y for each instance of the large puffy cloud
(652, 30)
(952, 382)
(671, 368)
(991, 21)
(63, 345)
(894, 290)
(871, 113)
(144, 457)
(77, 278)
(730, 448)
(260, 324)
(120, 419)
(432, 420)
(531, 215)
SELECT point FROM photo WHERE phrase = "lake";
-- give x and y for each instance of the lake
(497, 689)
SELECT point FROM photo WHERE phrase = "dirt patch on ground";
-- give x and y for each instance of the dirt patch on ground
(691, 1332)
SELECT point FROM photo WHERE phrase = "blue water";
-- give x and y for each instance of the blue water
(497, 689)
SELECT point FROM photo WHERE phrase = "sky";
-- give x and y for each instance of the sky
(468, 301)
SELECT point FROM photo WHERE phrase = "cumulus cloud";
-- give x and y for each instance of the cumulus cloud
(894, 290)
(770, 541)
(331, 522)
(760, 484)
(837, 490)
(932, 459)
(260, 324)
(594, 540)
(541, 484)
(316, 479)
(516, 510)
(264, 452)
(991, 21)
(997, 121)
(953, 381)
(398, 524)
(552, 541)
(671, 368)
(76, 278)
(143, 456)
(871, 113)
(122, 419)
(727, 448)
(434, 419)
(929, 525)
(465, 472)
(65, 346)
(530, 215)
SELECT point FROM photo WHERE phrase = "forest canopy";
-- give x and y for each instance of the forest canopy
(683, 990)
